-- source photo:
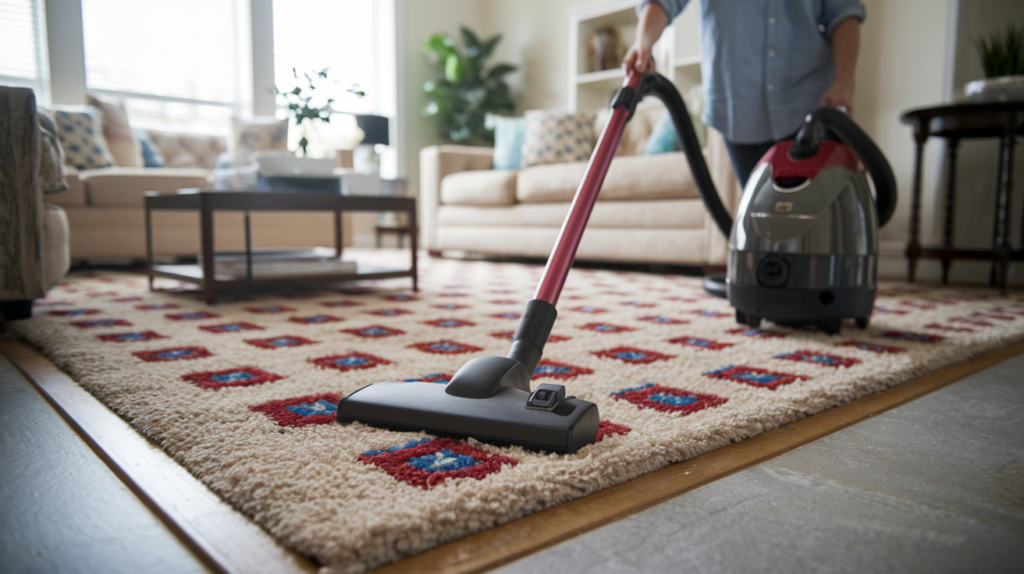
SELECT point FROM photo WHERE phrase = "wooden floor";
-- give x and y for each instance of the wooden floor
(220, 539)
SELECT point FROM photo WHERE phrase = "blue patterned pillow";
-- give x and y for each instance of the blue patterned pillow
(508, 142)
(151, 156)
(663, 139)
(557, 137)
(81, 137)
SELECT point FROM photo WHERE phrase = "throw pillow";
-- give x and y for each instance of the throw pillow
(123, 143)
(556, 137)
(151, 156)
(259, 134)
(663, 139)
(508, 142)
(81, 136)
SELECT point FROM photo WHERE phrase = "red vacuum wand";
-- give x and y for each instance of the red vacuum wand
(564, 251)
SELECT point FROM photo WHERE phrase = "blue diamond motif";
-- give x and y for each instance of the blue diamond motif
(441, 461)
(321, 407)
(283, 342)
(131, 337)
(630, 355)
(175, 354)
(552, 370)
(232, 377)
(411, 444)
(758, 378)
(672, 400)
(350, 361)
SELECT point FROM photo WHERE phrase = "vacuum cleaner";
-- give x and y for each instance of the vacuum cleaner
(788, 210)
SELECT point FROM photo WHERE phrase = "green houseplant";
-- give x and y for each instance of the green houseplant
(305, 106)
(465, 92)
(1002, 58)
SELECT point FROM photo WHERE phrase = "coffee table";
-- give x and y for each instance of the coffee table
(206, 202)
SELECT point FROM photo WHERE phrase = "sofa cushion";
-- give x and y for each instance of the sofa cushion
(638, 129)
(508, 142)
(81, 135)
(662, 176)
(126, 186)
(648, 214)
(491, 187)
(74, 194)
(557, 137)
(123, 143)
(189, 150)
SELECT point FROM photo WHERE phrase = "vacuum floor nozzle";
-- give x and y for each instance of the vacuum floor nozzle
(544, 419)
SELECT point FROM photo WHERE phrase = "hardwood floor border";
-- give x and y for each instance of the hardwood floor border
(503, 544)
(222, 538)
(229, 542)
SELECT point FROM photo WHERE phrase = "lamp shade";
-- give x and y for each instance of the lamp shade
(375, 128)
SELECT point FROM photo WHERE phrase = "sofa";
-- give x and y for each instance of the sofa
(105, 212)
(648, 211)
(33, 233)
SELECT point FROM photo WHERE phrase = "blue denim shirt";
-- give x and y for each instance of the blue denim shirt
(765, 63)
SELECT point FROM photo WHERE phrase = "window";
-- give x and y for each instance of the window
(173, 64)
(336, 34)
(23, 60)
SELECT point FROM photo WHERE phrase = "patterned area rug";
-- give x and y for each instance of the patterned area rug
(243, 393)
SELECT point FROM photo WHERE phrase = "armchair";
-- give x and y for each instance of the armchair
(33, 235)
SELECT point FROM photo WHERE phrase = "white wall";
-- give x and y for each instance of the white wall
(417, 20)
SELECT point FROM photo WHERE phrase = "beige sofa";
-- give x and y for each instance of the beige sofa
(649, 210)
(105, 210)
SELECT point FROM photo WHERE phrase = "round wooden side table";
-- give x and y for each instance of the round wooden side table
(1004, 120)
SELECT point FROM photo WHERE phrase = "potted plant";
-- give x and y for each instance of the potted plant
(306, 108)
(466, 91)
(1002, 57)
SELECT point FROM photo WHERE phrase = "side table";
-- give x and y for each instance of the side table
(206, 202)
(1004, 120)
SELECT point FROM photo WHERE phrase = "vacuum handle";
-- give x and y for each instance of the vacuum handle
(806, 146)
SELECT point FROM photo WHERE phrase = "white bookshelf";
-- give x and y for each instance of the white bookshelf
(677, 54)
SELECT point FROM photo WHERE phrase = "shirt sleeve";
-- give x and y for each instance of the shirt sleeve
(835, 11)
(672, 7)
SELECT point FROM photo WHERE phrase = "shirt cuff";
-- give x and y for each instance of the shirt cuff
(836, 19)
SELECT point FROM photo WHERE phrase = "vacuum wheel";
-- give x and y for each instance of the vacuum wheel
(862, 322)
(831, 326)
(747, 319)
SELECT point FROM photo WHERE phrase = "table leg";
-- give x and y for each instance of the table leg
(149, 246)
(206, 230)
(947, 240)
(248, 248)
(414, 246)
(913, 246)
(1000, 239)
(337, 234)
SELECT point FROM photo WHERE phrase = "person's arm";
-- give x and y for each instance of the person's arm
(845, 47)
(653, 21)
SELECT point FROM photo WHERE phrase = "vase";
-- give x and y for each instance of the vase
(998, 89)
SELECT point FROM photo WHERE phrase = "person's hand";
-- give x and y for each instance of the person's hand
(638, 58)
(653, 21)
(839, 94)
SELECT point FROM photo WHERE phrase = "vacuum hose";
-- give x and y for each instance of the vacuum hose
(805, 147)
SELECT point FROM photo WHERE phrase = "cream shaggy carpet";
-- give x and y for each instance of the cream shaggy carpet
(243, 393)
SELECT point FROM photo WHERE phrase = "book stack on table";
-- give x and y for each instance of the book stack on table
(279, 263)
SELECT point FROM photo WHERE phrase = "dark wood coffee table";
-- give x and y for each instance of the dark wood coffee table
(206, 202)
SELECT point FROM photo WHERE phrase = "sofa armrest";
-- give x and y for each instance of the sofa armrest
(126, 186)
(437, 162)
(74, 195)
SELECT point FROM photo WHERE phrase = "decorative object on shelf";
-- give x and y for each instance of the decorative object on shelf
(466, 93)
(307, 112)
(605, 49)
(375, 129)
(1002, 57)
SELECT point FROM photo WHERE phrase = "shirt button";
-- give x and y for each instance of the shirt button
(771, 53)
(771, 20)
(770, 87)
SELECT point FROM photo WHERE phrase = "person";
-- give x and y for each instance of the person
(765, 65)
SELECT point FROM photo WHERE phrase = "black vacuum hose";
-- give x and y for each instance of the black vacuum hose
(806, 146)
(659, 87)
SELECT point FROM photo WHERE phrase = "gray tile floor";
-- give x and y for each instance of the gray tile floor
(936, 485)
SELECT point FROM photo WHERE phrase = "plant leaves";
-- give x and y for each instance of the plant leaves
(471, 42)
